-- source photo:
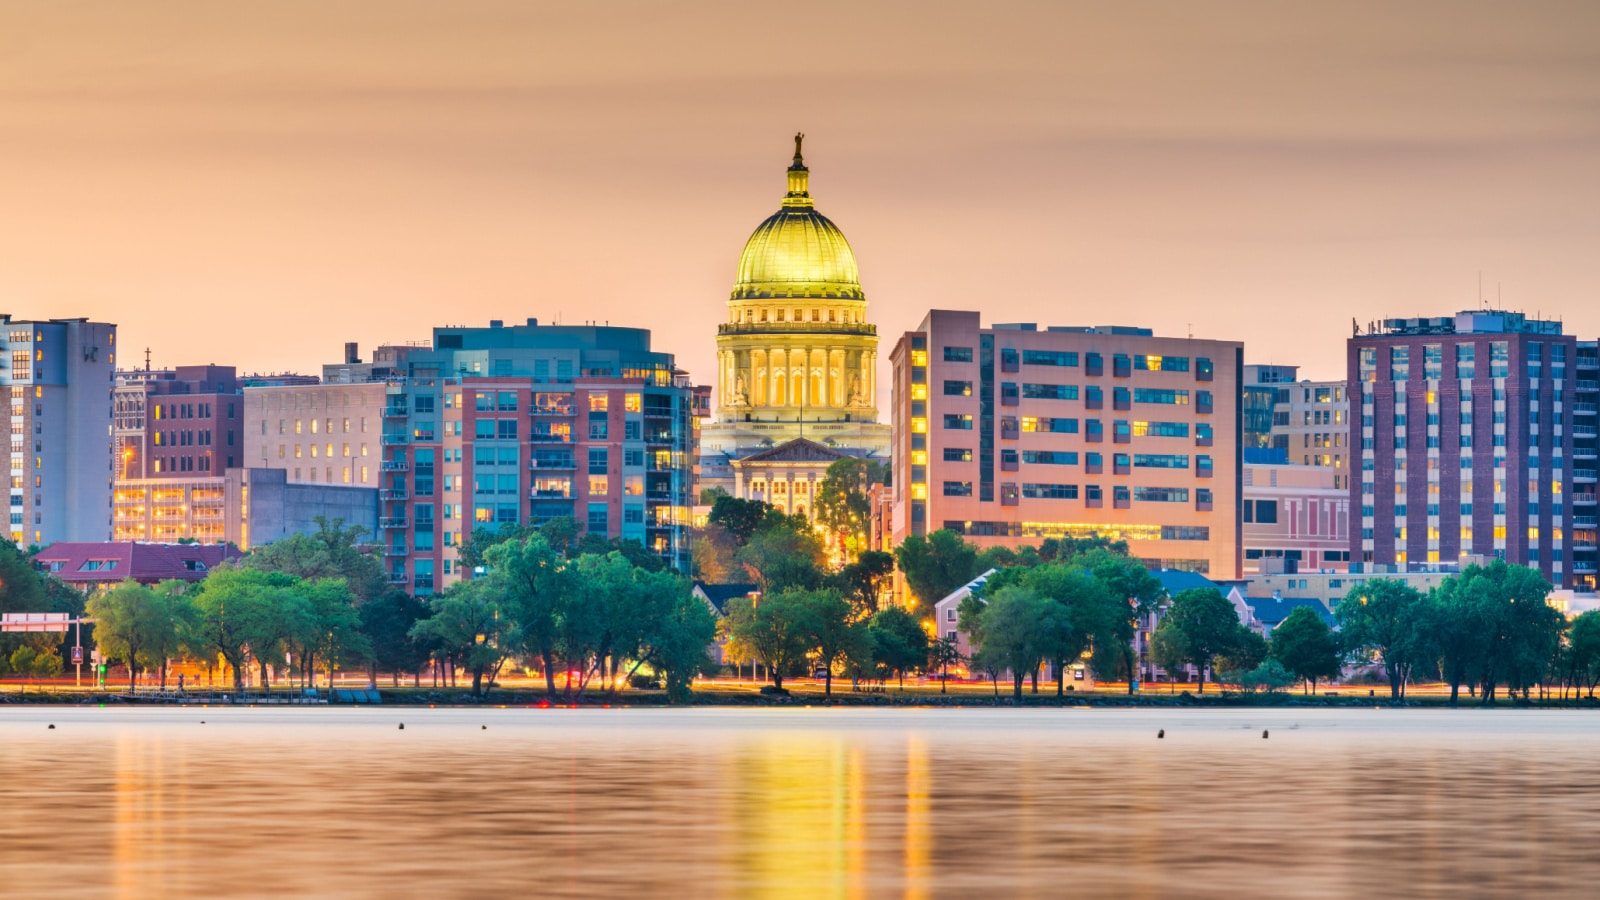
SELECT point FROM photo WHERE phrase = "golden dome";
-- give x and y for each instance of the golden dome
(798, 252)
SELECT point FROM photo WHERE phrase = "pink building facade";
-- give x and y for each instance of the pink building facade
(1013, 434)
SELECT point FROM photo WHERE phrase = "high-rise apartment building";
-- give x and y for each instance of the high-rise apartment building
(1469, 444)
(59, 375)
(177, 422)
(519, 425)
(1013, 434)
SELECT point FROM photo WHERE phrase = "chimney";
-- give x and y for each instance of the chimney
(352, 352)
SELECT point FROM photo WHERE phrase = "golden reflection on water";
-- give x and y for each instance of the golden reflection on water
(780, 803)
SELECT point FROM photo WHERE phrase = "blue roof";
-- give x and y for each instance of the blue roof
(1272, 610)
(1176, 581)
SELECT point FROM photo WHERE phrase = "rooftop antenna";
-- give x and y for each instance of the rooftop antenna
(1191, 328)
(147, 359)
(1480, 289)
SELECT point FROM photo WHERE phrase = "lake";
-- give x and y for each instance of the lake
(797, 802)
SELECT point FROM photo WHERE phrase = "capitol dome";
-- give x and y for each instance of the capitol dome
(797, 251)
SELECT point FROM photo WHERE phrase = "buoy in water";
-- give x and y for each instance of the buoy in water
(402, 726)
(1263, 734)
(52, 727)
(484, 727)
(1161, 734)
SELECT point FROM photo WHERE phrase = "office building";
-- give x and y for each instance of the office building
(1468, 444)
(242, 507)
(1302, 422)
(59, 380)
(1013, 434)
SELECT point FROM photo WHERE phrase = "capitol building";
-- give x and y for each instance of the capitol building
(796, 361)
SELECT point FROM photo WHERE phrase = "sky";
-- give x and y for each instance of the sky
(255, 184)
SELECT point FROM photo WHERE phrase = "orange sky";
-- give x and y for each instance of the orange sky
(256, 184)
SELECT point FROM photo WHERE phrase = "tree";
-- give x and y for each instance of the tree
(1267, 676)
(970, 619)
(1019, 630)
(712, 553)
(21, 588)
(386, 622)
(1091, 616)
(864, 580)
(774, 629)
(466, 620)
(1514, 631)
(741, 518)
(1306, 647)
(781, 558)
(1131, 591)
(942, 654)
(331, 628)
(527, 575)
(1249, 654)
(237, 611)
(125, 619)
(898, 642)
(832, 633)
(332, 551)
(842, 506)
(1208, 626)
(32, 662)
(1583, 651)
(1169, 650)
(1387, 617)
(936, 565)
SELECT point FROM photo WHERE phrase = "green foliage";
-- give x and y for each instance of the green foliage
(466, 624)
(936, 565)
(780, 558)
(899, 644)
(1306, 647)
(140, 625)
(1202, 625)
(387, 622)
(842, 506)
(741, 518)
(863, 581)
(831, 633)
(1268, 676)
(332, 551)
(1492, 624)
(1388, 618)
(1019, 631)
(1582, 659)
(708, 496)
(774, 629)
(244, 609)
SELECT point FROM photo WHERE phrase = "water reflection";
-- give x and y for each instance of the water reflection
(948, 803)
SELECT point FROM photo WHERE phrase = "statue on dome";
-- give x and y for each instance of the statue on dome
(798, 137)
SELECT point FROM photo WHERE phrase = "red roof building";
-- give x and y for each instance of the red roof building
(93, 565)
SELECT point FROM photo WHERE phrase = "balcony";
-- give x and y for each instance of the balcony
(394, 438)
(395, 465)
(550, 493)
(553, 411)
(398, 578)
(395, 412)
(394, 550)
(1585, 521)
(1583, 567)
(392, 494)
(545, 465)
(1584, 498)
(1586, 409)
(1583, 475)
(392, 522)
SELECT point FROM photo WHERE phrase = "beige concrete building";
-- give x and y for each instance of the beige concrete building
(1295, 517)
(1013, 434)
(317, 434)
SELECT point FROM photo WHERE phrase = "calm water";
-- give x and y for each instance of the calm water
(800, 802)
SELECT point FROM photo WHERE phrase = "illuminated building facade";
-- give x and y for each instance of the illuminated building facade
(1012, 434)
(508, 426)
(1476, 441)
(796, 357)
(1303, 422)
(58, 376)
(243, 507)
(187, 421)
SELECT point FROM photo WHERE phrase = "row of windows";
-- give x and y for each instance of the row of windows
(1121, 493)
(1121, 362)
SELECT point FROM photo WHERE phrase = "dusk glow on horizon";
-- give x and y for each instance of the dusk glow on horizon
(304, 175)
